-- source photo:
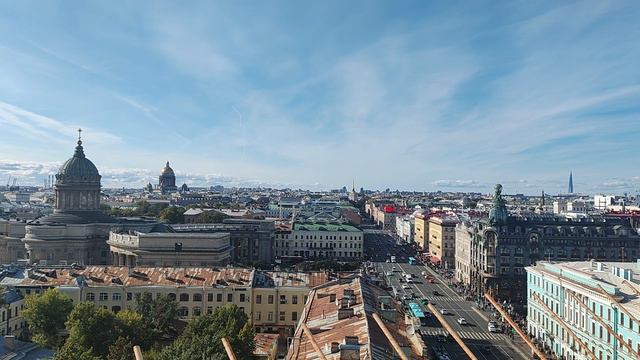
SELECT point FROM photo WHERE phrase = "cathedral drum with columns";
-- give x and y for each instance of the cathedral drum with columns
(77, 229)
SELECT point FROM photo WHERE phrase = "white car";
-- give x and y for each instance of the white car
(406, 286)
(493, 327)
(389, 273)
(462, 321)
(444, 312)
(406, 297)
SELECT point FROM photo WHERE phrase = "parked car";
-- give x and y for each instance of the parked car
(444, 312)
(462, 321)
(406, 286)
(436, 293)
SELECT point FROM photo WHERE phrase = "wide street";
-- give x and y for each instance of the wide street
(484, 344)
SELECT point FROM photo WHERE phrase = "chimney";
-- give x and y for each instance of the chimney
(344, 313)
(350, 350)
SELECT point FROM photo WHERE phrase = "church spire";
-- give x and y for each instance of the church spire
(571, 182)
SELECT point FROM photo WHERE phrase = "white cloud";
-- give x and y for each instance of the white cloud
(42, 127)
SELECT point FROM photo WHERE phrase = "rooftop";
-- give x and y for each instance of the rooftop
(99, 276)
(621, 280)
(340, 317)
(324, 226)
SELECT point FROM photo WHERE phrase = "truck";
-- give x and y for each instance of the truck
(393, 258)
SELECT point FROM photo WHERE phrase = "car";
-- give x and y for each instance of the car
(436, 293)
(442, 338)
(393, 268)
(388, 261)
(493, 327)
(427, 314)
(406, 286)
(389, 273)
(444, 312)
(432, 281)
(406, 297)
(462, 321)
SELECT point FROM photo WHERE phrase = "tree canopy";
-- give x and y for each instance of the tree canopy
(46, 314)
(202, 338)
(173, 214)
(158, 315)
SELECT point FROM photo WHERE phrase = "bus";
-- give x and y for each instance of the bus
(412, 261)
(417, 312)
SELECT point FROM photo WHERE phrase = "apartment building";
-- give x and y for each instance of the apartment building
(442, 239)
(346, 317)
(11, 313)
(421, 230)
(310, 239)
(585, 309)
(273, 300)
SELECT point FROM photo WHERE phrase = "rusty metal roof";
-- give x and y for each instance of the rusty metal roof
(321, 316)
(95, 276)
(264, 343)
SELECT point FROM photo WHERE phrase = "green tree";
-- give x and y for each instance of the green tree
(72, 350)
(173, 214)
(92, 328)
(122, 349)
(158, 315)
(202, 338)
(46, 314)
(210, 217)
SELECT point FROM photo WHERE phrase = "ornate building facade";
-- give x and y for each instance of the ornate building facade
(504, 244)
(167, 180)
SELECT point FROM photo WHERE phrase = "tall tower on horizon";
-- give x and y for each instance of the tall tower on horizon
(571, 182)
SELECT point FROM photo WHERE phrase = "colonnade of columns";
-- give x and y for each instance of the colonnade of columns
(122, 259)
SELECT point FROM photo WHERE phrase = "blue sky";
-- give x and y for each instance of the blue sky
(420, 95)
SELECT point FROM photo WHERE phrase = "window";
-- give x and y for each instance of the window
(258, 299)
(197, 297)
(283, 299)
(229, 297)
(242, 297)
(116, 297)
(209, 310)
(209, 297)
(294, 299)
(183, 312)
(172, 296)
(219, 297)
(270, 299)
(116, 309)
(197, 311)
(282, 316)
(90, 297)
(294, 316)
(270, 316)
(129, 296)
(104, 296)
(305, 299)
(184, 297)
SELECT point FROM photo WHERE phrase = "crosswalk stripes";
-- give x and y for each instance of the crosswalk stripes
(439, 299)
(473, 335)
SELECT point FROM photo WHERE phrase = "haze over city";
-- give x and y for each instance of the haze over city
(410, 96)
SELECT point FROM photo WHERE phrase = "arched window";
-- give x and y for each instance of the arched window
(184, 297)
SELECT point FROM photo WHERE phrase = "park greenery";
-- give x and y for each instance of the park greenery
(169, 213)
(85, 331)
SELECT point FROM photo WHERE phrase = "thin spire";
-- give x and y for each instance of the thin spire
(79, 151)
(571, 182)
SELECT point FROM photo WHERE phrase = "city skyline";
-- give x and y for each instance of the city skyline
(314, 95)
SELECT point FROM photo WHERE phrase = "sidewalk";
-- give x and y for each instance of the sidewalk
(487, 310)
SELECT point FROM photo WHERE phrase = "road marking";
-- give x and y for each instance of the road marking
(482, 315)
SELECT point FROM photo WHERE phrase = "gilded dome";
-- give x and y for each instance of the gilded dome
(78, 169)
(167, 170)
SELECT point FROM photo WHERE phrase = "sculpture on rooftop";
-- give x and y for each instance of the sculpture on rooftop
(498, 213)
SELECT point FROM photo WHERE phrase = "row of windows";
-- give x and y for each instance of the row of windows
(282, 316)
(183, 297)
(282, 300)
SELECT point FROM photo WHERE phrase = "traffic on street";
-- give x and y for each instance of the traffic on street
(416, 285)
